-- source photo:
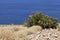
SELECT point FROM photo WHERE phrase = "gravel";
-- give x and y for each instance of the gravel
(46, 34)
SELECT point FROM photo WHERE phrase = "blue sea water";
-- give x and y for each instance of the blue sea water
(17, 11)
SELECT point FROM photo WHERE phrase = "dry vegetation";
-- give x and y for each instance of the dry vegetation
(35, 24)
(16, 32)
(58, 26)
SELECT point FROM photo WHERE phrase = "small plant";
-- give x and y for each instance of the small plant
(41, 20)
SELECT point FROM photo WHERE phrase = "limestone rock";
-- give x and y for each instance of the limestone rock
(46, 34)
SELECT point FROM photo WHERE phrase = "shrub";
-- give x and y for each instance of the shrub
(41, 20)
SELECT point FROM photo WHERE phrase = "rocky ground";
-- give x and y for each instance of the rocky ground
(19, 32)
(46, 34)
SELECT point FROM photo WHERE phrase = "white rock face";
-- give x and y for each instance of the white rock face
(46, 34)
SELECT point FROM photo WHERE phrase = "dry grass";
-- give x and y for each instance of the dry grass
(16, 32)
(58, 27)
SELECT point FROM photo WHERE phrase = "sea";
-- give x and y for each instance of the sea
(17, 11)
